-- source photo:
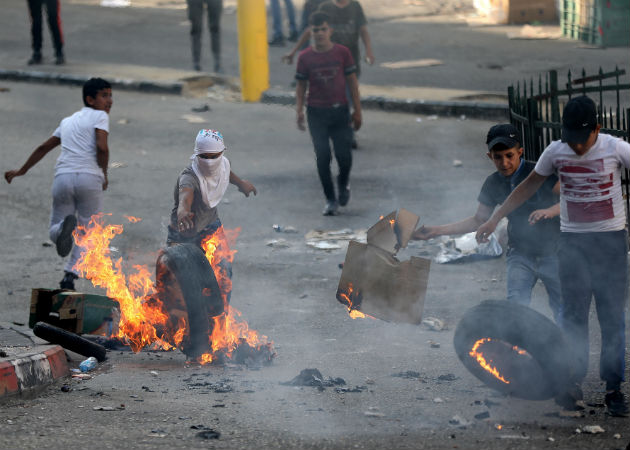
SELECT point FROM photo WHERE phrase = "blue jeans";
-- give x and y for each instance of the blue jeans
(595, 265)
(522, 273)
(277, 17)
(326, 124)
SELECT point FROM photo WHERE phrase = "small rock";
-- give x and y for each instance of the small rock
(154, 373)
(65, 388)
(202, 108)
(438, 400)
(104, 408)
(433, 344)
(482, 415)
(46, 244)
(616, 436)
(550, 439)
(458, 421)
(208, 434)
(457, 163)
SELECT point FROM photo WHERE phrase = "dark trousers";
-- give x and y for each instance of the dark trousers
(195, 15)
(595, 265)
(326, 124)
(53, 13)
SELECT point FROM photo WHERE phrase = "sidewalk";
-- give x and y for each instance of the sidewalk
(27, 363)
(417, 100)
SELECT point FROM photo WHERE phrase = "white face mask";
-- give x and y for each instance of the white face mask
(214, 177)
(208, 166)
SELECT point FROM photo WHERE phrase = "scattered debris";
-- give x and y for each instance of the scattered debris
(81, 376)
(220, 387)
(408, 64)
(550, 439)
(117, 165)
(191, 118)
(514, 436)
(46, 244)
(457, 163)
(88, 364)
(123, 121)
(66, 388)
(282, 229)
(432, 117)
(341, 390)
(438, 400)
(530, 32)
(458, 421)
(202, 108)
(466, 248)
(482, 415)
(206, 432)
(313, 377)
(433, 323)
(278, 243)
(154, 373)
(409, 374)
(369, 381)
(592, 429)
(323, 245)
(345, 234)
(3, 354)
(109, 408)
(616, 436)
(433, 344)
(373, 411)
(447, 377)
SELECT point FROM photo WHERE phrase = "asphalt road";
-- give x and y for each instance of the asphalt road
(287, 294)
(475, 58)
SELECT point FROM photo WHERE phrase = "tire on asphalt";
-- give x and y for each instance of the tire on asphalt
(69, 340)
(540, 373)
(200, 290)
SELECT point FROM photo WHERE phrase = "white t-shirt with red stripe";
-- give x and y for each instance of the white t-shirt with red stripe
(590, 185)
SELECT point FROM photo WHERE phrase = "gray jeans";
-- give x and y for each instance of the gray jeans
(79, 194)
(195, 15)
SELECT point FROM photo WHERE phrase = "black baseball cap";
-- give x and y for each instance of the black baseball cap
(579, 119)
(504, 133)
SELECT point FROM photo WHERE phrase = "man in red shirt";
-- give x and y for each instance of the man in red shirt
(326, 68)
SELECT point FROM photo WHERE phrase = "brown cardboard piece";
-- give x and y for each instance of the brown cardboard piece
(376, 282)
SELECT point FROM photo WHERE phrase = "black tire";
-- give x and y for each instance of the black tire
(70, 341)
(539, 374)
(200, 291)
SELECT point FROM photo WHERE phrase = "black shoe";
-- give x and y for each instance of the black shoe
(60, 59)
(572, 399)
(36, 58)
(355, 144)
(293, 37)
(64, 240)
(277, 41)
(331, 208)
(616, 404)
(344, 196)
(67, 282)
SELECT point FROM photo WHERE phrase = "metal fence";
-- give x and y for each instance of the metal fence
(536, 107)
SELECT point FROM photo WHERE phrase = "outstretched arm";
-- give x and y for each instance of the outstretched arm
(185, 217)
(243, 185)
(367, 42)
(35, 157)
(523, 191)
(466, 225)
(353, 84)
(102, 153)
(288, 57)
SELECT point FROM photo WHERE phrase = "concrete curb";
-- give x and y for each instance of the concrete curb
(477, 110)
(156, 87)
(33, 370)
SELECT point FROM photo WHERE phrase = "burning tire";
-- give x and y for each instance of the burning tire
(187, 284)
(513, 349)
(70, 341)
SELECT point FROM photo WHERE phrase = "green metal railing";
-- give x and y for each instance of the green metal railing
(536, 110)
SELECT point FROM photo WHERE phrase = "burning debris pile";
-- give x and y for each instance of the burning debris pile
(156, 314)
(314, 378)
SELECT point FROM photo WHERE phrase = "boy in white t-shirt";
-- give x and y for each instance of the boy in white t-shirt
(593, 244)
(80, 172)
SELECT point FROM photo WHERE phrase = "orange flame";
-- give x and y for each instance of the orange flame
(141, 311)
(133, 219)
(350, 299)
(482, 360)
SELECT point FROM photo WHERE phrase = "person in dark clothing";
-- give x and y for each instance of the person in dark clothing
(53, 12)
(214, 9)
(326, 69)
(533, 229)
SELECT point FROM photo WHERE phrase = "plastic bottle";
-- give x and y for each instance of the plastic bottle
(88, 364)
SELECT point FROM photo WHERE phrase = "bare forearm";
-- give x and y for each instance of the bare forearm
(353, 83)
(38, 154)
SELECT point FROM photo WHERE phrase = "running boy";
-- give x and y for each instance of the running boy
(593, 243)
(326, 69)
(533, 229)
(80, 172)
